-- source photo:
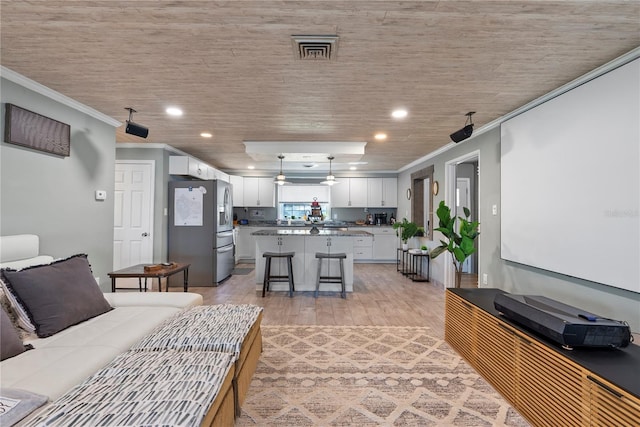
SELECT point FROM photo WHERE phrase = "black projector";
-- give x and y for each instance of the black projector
(569, 326)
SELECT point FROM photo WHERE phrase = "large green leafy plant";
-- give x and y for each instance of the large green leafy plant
(460, 243)
(407, 229)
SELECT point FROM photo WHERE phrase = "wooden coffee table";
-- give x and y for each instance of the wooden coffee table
(139, 272)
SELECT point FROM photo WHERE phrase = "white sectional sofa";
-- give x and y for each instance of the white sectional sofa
(65, 359)
(116, 359)
(61, 361)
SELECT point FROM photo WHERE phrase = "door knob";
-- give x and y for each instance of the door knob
(145, 234)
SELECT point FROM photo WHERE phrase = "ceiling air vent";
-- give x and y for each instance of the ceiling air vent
(315, 47)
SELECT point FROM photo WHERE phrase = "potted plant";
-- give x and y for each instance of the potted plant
(407, 231)
(424, 249)
(460, 244)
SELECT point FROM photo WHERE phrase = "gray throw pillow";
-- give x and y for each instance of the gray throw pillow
(57, 295)
(10, 342)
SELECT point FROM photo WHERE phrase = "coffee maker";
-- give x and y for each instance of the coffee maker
(381, 218)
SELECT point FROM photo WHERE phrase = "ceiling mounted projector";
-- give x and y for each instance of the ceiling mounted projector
(466, 131)
(134, 128)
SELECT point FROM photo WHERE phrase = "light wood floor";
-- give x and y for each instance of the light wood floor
(381, 296)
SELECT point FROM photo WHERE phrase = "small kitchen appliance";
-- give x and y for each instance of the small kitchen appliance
(381, 218)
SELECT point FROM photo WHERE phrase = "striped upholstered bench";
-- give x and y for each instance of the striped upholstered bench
(228, 328)
(168, 387)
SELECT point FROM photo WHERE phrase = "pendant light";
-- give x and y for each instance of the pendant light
(331, 180)
(281, 179)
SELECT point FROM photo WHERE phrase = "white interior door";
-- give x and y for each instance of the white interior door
(463, 200)
(133, 213)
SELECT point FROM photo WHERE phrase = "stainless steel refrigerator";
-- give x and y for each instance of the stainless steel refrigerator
(201, 229)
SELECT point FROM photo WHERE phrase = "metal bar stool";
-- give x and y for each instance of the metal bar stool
(268, 278)
(331, 279)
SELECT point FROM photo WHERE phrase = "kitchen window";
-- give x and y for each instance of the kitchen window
(294, 201)
(299, 210)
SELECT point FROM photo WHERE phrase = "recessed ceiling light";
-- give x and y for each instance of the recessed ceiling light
(174, 111)
(399, 114)
(380, 136)
(206, 135)
(352, 168)
(251, 167)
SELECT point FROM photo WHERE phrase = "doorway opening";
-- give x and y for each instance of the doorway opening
(422, 200)
(462, 188)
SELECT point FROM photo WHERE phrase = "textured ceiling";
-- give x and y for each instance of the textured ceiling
(231, 67)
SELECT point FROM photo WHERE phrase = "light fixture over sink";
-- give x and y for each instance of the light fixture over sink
(331, 180)
(281, 179)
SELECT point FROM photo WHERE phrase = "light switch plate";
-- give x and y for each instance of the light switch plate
(494, 209)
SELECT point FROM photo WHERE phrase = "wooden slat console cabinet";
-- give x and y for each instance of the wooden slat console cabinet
(548, 385)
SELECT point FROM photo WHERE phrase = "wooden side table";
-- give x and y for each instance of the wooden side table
(137, 271)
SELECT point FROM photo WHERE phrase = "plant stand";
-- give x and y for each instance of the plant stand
(402, 261)
(416, 262)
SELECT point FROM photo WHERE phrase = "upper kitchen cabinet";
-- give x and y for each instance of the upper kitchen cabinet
(382, 192)
(349, 193)
(238, 189)
(259, 192)
(194, 168)
(188, 166)
(218, 174)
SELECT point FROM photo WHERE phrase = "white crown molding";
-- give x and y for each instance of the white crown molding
(26, 82)
(155, 145)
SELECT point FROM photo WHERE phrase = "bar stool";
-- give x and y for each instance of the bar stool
(331, 279)
(268, 278)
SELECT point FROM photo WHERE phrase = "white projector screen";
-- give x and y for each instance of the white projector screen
(570, 182)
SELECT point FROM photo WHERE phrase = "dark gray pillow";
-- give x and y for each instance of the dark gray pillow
(57, 295)
(11, 344)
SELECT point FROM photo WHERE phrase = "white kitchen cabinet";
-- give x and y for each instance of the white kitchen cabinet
(349, 193)
(382, 192)
(246, 244)
(362, 248)
(259, 192)
(218, 174)
(340, 197)
(194, 168)
(238, 190)
(188, 166)
(358, 192)
(384, 244)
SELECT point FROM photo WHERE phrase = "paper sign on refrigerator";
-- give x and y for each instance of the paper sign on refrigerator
(188, 206)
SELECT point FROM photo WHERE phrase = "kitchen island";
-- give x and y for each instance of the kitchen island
(305, 243)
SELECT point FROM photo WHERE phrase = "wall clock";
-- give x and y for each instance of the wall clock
(435, 188)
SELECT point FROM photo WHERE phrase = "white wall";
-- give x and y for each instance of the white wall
(53, 196)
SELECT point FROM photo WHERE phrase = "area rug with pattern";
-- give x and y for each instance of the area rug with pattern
(367, 376)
